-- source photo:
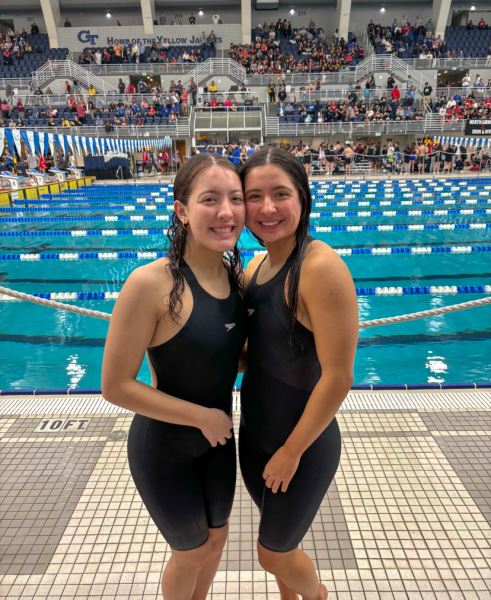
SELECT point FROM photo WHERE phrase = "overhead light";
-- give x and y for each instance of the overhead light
(201, 13)
(108, 15)
(473, 8)
(382, 9)
(292, 12)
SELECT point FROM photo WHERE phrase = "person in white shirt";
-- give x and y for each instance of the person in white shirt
(165, 44)
(451, 103)
(98, 57)
(422, 55)
(466, 81)
(215, 18)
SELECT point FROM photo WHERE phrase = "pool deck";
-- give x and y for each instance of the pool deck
(407, 517)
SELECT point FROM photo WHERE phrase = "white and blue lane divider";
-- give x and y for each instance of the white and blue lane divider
(247, 253)
(170, 207)
(36, 209)
(386, 291)
(329, 215)
(150, 232)
(316, 196)
(401, 213)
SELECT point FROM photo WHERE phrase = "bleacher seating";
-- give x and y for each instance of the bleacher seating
(172, 52)
(474, 42)
(22, 68)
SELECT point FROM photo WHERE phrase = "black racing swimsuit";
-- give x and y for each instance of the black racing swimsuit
(187, 485)
(276, 387)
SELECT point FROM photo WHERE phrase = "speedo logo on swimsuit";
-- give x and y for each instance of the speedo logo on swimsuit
(250, 311)
(229, 326)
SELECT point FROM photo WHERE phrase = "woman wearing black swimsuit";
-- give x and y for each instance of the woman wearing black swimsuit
(186, 312)
(302, 336)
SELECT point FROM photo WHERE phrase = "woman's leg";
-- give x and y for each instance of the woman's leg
(218, 537)
(181, 572)
(295, 570)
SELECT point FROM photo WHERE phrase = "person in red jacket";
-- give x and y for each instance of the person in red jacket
(395, 94)
(42, 163)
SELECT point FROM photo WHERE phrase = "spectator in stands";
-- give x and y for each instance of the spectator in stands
(34, 29)
(48, 92)
(481, 24)
(81, 112)
(76, 88)
(192, 19)
(51, 122)
(429, 27)
(212, 38)
(162, 19)
(67, 22)
(215, 19)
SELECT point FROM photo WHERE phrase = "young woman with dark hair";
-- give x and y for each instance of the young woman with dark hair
(302, 336)
(186, 313)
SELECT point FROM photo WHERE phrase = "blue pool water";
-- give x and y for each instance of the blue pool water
(44, 348)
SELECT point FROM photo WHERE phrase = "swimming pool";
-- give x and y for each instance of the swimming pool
(425, 237)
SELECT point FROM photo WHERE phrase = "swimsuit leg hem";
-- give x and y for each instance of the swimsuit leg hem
(217, 526)
(277, 551)
(189, 549)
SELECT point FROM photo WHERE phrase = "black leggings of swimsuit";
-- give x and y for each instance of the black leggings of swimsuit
(187, 485)
(286, 516)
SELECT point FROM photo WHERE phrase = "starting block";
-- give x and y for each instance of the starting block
(39, 177)
(76, 171)
(60, 175)
(14, 180)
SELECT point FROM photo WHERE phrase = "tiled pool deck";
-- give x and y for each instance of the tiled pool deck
(408, 516)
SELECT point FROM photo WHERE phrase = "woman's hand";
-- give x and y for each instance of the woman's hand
(280, 470)
(217, 427)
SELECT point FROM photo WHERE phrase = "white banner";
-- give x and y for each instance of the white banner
(51, 142)
(30, 137)
(16, 135)
(2, 138)
(70, 143)
(77, 144)
(98, 146)
(41, 144)
(84, 144)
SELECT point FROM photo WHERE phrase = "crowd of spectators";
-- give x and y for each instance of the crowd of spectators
(279, 49)
(416, 40)
(162, 53)
(159, 107)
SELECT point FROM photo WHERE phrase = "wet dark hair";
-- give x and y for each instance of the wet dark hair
(297, 174)
(178, 235)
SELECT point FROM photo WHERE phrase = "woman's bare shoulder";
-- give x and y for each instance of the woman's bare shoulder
(252, 267)
(321, 258)
(152, 281)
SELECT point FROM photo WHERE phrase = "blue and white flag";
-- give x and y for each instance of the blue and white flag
(84, 144)
(51, 142)
(16, 135)
(30, 137)
(70, 141)
(97, 145)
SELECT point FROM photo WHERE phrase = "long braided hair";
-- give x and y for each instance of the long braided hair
(295, 171)
(178, 234)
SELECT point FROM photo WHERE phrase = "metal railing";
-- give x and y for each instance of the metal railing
(139, 68)
(215, 66)
(131, 132)
(431, 123)
(227, 120)
(59, 69)
(347, 76)
(61, 100)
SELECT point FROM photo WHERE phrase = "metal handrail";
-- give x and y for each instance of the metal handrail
(54, 69)
(431, 123)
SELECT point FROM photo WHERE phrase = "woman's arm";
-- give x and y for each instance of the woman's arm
(329, 297)
(133, 323)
